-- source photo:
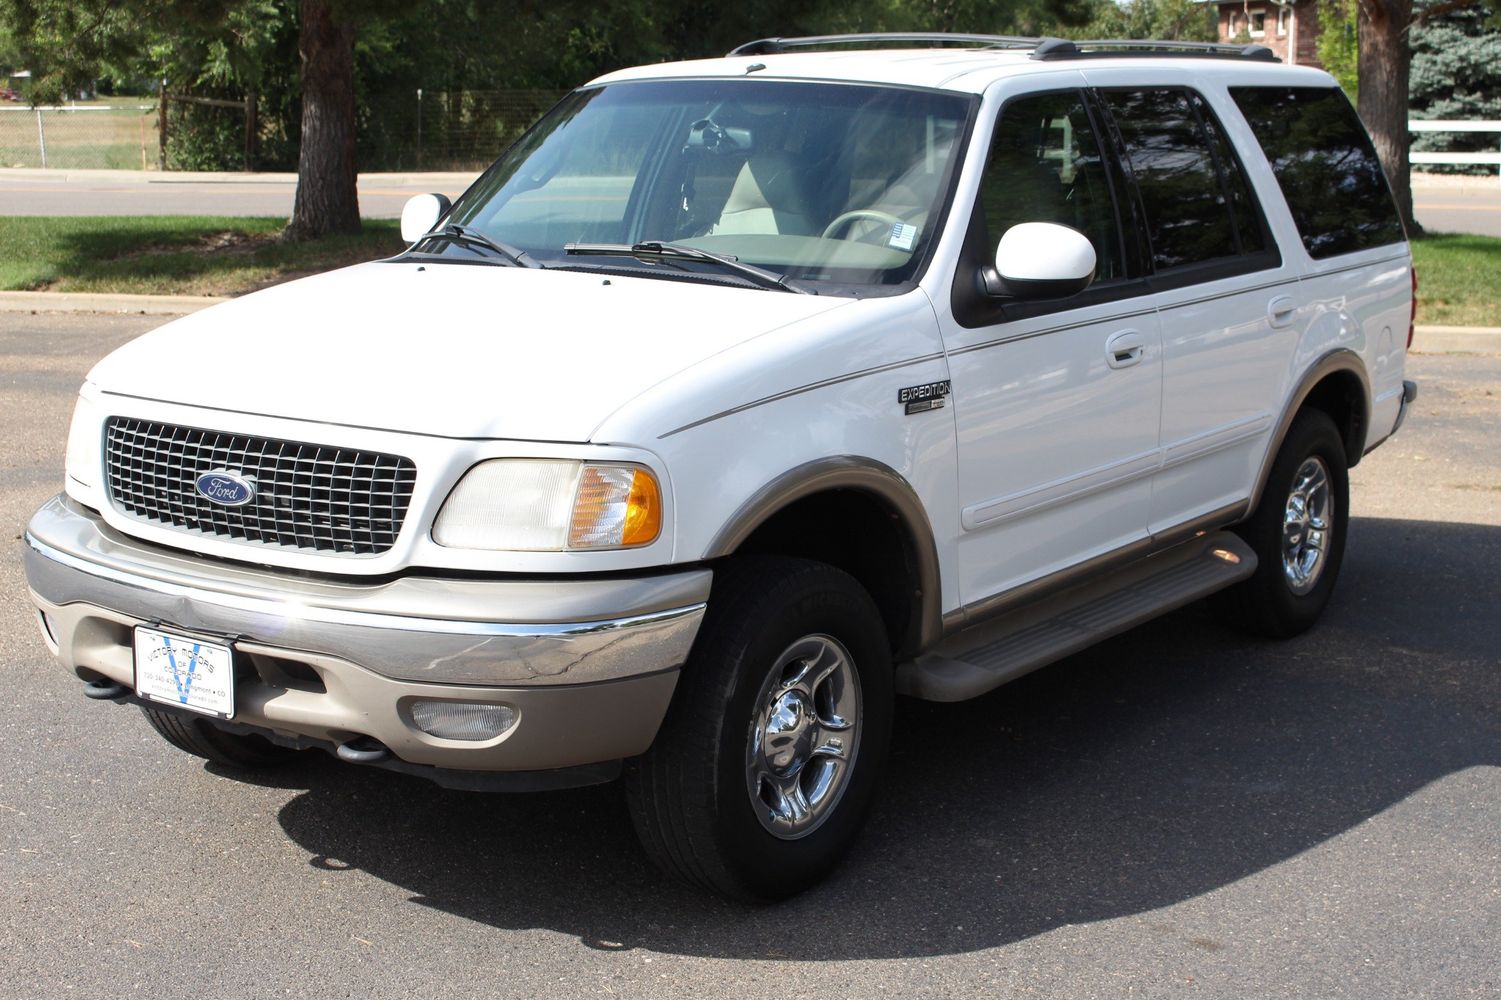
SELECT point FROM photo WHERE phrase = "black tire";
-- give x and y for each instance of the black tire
(690, 796)
(203, 739)
(1268, 603)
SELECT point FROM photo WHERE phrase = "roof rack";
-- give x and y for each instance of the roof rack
(1042, 48)
(930, 39)
(1105, 48)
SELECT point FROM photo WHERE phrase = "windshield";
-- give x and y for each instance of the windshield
(820, 182)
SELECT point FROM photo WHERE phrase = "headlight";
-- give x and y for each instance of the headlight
(547, 506)
(83, 457)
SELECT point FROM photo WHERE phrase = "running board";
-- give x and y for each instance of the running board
(985, 656)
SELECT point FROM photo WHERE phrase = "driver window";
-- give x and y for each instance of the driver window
(1045, 166)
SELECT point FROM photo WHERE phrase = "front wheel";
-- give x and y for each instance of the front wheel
(200, 738)
(767, 762)
(1297, 531)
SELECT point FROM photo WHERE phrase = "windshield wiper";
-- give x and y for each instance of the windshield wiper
(682, 251)
(464, 234)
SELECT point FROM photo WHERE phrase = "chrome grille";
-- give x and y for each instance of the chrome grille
(308, 496)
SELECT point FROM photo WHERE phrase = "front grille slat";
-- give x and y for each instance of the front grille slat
(310, 497)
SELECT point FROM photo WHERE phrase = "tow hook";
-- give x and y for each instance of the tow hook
(363, 750)
(103, 690)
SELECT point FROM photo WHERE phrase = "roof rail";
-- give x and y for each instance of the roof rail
(929, 39)
(1063, 48)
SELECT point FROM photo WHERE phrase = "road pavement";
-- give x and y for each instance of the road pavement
(1467, 205)
(1180, 810)
(1449, 204)
(36, 192)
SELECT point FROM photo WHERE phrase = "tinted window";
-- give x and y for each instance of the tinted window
(1188, 214)
(1045, 166)
(1326, 166)
(1238, 195)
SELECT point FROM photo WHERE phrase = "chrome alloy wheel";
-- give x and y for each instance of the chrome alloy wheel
(804, 736)
(1306, 526)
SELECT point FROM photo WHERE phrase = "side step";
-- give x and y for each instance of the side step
(985, 656)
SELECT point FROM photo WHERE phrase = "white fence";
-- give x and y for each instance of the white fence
(1456, 158)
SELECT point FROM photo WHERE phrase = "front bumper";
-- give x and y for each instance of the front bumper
(588, 665)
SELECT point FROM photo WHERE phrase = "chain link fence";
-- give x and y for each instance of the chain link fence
(79, 138)
(457, 130)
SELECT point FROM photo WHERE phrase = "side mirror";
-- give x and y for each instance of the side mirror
(1040, 260)
(421, 213)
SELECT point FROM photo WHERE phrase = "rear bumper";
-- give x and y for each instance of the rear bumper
(1409, 393)
(587, 666)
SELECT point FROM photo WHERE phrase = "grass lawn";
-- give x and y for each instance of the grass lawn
(1459, 277)
(171, 255)
(1459, 280)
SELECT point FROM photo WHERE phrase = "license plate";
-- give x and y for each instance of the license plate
(185, 671)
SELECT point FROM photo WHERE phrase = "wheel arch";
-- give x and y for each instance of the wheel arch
(1336, 384)
(867, 492)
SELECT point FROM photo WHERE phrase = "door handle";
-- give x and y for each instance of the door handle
(1125, 349)
(1280, 311)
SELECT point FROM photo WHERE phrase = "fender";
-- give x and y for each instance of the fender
(1339, 360)
(847, 472)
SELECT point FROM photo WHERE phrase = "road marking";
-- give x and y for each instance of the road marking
(398, 191)
(1442, 207)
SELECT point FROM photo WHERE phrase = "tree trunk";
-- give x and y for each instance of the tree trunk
(327, 197)
(1384, 61)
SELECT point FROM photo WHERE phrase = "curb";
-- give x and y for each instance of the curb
(88, 302)
(1457, 340)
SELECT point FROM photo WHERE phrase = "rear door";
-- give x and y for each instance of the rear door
(1227, 301)
(1357, 275)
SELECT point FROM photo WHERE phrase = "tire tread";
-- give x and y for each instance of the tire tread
(201, 739)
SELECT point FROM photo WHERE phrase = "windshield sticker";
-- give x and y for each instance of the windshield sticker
(903, 236)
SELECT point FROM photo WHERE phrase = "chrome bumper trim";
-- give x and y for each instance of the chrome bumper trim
(503, 631)
(338, 616)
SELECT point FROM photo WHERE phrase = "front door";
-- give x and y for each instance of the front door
(1056, 402)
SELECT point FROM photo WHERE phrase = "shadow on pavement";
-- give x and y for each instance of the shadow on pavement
(1157, 767)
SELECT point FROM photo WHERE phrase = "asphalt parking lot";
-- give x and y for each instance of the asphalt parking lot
(1181, 811)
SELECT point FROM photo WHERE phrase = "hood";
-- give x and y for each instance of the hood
(453, 350)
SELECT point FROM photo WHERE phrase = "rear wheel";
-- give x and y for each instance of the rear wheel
(203, 739)
(767, 762)
(1297, 531)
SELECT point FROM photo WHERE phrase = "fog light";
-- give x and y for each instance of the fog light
(462, 720)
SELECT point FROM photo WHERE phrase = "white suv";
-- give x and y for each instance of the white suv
(737, 397)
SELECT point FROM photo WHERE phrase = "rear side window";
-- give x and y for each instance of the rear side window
(1326, 166)
(1197, 205)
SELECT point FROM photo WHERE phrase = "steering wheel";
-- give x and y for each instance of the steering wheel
(868, 214)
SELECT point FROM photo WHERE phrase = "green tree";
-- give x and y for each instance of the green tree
(1336, 44)
(1021, 17)
(213, 43)
(1384, 66)
(1456, 74)
(1172, 20)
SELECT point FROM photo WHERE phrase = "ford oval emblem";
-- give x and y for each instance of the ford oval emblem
(227, 489)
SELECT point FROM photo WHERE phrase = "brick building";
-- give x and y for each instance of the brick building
(1290, 28)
